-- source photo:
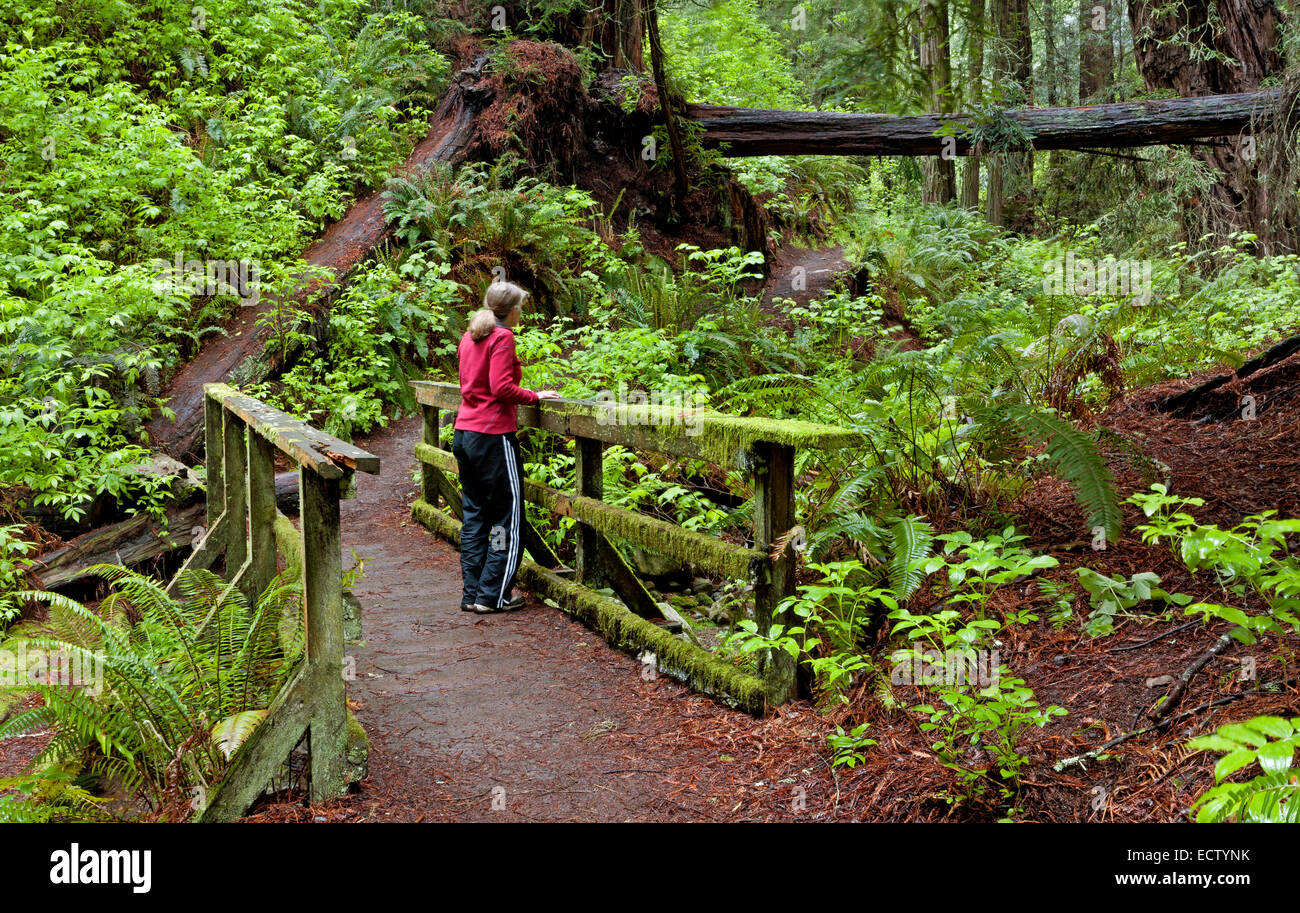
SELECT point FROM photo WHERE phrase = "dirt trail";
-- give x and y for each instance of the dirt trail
(529, 708)
(802, 274)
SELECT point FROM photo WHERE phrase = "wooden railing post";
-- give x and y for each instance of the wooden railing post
(235, 467)
(773, 517)
(589, 481)
(214, 452)
(261, 516)
(428, 474)
(323, 597)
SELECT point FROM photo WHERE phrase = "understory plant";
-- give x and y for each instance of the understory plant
(1273, 794)
(160, 702)
(1251, 559)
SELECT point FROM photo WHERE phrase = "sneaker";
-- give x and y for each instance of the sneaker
(467, 606)
(512, 604)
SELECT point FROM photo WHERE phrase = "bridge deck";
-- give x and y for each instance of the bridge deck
(531, 701)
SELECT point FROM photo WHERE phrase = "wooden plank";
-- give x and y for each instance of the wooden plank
(235, 465)
(202, 558)
(258, 760)
(705, 552)
(621, 579)
(589, 482)
(773, 517)
(213, 456)
(692, 434)
(429, 475)
(677, 658)
(326, 455)
(261, 517)
(323, 597)
(536, 546)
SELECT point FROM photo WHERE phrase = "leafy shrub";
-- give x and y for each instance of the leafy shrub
(1273, 795)
(181, 687)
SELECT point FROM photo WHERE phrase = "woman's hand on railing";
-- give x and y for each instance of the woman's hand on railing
(548, 394)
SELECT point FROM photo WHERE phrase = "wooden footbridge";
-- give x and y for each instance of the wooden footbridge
(244, 437)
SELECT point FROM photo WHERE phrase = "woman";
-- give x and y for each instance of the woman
(487, 451)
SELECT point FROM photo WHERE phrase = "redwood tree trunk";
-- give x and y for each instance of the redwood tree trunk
(1012, 69)
(1182, 48)
(616, 27)
(1096, 52)
(970, 173)
(940, 185)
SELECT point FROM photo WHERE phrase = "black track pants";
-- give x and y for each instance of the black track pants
(490, 473)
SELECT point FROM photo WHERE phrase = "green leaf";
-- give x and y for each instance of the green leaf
(1274, 726)
(911, 540)
(1275, 757)
(234, 730)
(1233, 762)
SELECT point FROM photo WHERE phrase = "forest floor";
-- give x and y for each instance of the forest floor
(531, 716)
(801, 275)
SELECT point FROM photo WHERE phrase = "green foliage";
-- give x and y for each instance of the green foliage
(911, 547)
(1110, 597)
(481, 220)
(1071, 453)
(987, 723)
(159, 692)
(828, 620)
(13, 546)
(806, 197)
(49, 797)
(382, 329)
(1251, 558)
(985, 565)
(725, 54)
(1271, 796)
(848, 746)
(135, 133)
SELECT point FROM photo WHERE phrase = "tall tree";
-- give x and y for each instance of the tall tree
(975, 27)
(1011, 172)
(616, 28)
(939, 185)
(1096, 51)
(1049, 52)
(1208, 47)
(665, 101)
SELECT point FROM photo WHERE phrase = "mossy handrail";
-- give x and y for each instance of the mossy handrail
(242, 435)
(762, 448)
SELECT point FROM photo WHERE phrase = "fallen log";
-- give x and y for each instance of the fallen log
(286, 493)
(1185, 402)
(340, 249)
(740, 132)
(128, 543)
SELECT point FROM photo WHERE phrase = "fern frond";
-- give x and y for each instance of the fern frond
(1074, 456)
(911, 538)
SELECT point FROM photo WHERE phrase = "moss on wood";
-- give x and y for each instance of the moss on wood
(288, 541)
(674, 657)
(705, 552)
(724, 439)
(357, 752)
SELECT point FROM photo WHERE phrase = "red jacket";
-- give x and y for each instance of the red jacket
(489, 383)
